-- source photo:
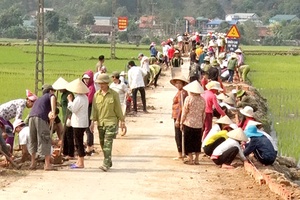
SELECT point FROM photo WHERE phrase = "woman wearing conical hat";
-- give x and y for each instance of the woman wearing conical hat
(192, 121)
(177, 106)
(79, 119)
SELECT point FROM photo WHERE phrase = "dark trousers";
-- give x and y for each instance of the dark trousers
(78, 135)
(227, 157)
(266, 160)
(143, 96)
(68, 142)
(208, 150)
(192, 139)
(156, 78)
(89, 134)
(178, 138)
(231, 74)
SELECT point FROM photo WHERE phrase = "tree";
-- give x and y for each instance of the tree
(52, 21)
(12, 17)
(86, 19)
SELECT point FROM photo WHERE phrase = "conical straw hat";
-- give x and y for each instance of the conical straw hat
(221, 96)
(77, 86)
(194, 87)
(252, 122)
(60, 84)
(224, 120)
(229, 101)
(213, 85)
(179, 78)
(237, 134)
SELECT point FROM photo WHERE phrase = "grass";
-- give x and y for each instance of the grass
(277, 79)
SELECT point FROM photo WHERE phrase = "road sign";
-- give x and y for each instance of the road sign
(122, 23)
(233, 32)
(232, 44)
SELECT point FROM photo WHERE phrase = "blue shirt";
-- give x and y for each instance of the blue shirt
(262, 145)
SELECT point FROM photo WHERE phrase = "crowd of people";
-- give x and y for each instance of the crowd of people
(202, 109)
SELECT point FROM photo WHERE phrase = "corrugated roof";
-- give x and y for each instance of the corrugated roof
(283, 17)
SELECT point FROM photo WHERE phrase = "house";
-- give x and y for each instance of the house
(214, 24)
(201, 22)
(147, 22)
(103, 21)
(281, 18)
(241, 17)
(101, 27)
(31, 23)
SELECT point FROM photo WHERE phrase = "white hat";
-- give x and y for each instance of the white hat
(221, 96)
(179, 78)
(86, 76)
(194, 87)
(122, 73)
(229, 101)
(206, 58)
(251, 122)
(176, 51)
(224, 120)
(247, 111)
(17, 123)
(238, 51)
(77, 86)
(213, 85)
(60, 84)
(237, 134)
(233, 126)
(234, 91)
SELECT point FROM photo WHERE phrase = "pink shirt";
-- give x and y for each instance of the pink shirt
(193, 113)
(211, 101)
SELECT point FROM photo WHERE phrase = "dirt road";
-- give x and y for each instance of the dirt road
(143, 167)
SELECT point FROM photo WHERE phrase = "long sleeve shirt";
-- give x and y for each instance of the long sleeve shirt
(13, 109)
(106, 109)
(79, 109)
(135, 77)
(178, 104)
(227, 144)
(211, 101)
(262, 145)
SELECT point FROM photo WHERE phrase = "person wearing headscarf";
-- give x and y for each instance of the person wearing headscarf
(192, 121)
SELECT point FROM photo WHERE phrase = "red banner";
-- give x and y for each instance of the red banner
(122, 23)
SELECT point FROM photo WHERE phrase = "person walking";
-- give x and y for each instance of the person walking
(107, 112)
(136, 83)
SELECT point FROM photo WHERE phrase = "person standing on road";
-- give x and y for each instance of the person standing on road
(89, 82)
(41, 115)
(192, 121)
(79, 119)
(100, 69)
(107, 112)
(177, 106)
(136, 83)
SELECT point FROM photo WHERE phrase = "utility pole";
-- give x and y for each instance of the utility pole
(152, 17)
(39, 62)
(113, 32)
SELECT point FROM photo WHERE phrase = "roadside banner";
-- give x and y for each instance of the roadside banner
(122, 23)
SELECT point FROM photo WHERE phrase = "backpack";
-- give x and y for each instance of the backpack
(194, 70)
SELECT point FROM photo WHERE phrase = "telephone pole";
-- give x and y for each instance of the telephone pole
(113, 32)
(39, 62)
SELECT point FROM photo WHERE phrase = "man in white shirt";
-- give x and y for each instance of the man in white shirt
(136, 83)
(145, 67)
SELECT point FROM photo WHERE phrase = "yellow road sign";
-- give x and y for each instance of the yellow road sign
(233, 32)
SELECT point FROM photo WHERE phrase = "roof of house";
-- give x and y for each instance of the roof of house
(244, 15)
(101, 18)
(233, 22)
(283, 17)
(215, 22)
(146, 21)
(202, 19)
(100, 29)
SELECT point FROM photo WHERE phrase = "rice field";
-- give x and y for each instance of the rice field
(277, 79)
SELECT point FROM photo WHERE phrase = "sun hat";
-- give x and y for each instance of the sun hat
(224, 120)
(213, 85)
(179, 78)
(163, 43)
(60, 84)
(86, 76)
(234, 91)
(152, 44)
(47, 87)
(32, 97)
(238, 51)
(115, 74)
(194, 87)
(229, 101)
(221, 96)
(251, 131)
(176, 51)
(18, 122)
(206, 58)
(240, 93)
(122, 73)
(237, 134)
(252, 122)
(102, 78)
(215, 63)
(140, 54)
(247, 111)
(77, 86)
(222, 55)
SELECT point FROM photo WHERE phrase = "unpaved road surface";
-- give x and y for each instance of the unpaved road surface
(143, 167)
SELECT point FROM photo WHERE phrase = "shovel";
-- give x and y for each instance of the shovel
(15, 165)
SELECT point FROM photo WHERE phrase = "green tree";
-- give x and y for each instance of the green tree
(52, 21)
(12, 17)
(86, 19)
